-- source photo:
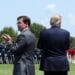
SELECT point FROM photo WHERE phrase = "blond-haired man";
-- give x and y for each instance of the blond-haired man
(54, 42)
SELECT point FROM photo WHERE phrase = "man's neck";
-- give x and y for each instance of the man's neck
(25, 29)
(55, 26)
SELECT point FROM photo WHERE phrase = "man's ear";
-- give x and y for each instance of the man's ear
(26, 24)
(58, 22)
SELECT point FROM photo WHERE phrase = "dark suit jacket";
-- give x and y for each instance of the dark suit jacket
(54, 42)
(23, 51)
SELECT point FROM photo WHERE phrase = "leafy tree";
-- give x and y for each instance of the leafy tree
(36, 29)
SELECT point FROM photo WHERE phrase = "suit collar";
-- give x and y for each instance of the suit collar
(25, 29)
(55, 27)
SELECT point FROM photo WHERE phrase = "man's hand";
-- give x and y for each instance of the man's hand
(7, 38)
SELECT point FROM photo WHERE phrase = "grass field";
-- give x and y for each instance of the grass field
(6, 69)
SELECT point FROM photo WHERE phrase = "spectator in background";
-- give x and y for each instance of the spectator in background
(37, 55)
(54, 42)
(7, 53)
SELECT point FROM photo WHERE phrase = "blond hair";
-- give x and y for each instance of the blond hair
(55, 20)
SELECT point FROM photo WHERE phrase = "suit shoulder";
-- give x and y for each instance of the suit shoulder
(44, 31)
(27, 34)
(65, 31)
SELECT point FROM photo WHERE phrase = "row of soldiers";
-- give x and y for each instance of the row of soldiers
(6, 56)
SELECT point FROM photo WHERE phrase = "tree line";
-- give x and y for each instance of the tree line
(36, 28)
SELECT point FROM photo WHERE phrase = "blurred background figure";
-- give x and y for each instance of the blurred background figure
(6, 53)
(37, 56)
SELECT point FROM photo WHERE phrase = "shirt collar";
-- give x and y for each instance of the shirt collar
(25, 29)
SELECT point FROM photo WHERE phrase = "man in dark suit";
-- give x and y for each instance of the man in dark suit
(54, 42)
(24, 48)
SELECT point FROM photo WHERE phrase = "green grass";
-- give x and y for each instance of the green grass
(37, 71)
(72, 69)
(6, 69)
(71, 72)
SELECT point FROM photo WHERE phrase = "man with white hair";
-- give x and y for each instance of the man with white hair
(54, 42)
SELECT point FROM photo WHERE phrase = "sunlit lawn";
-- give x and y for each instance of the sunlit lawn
(6, 69)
